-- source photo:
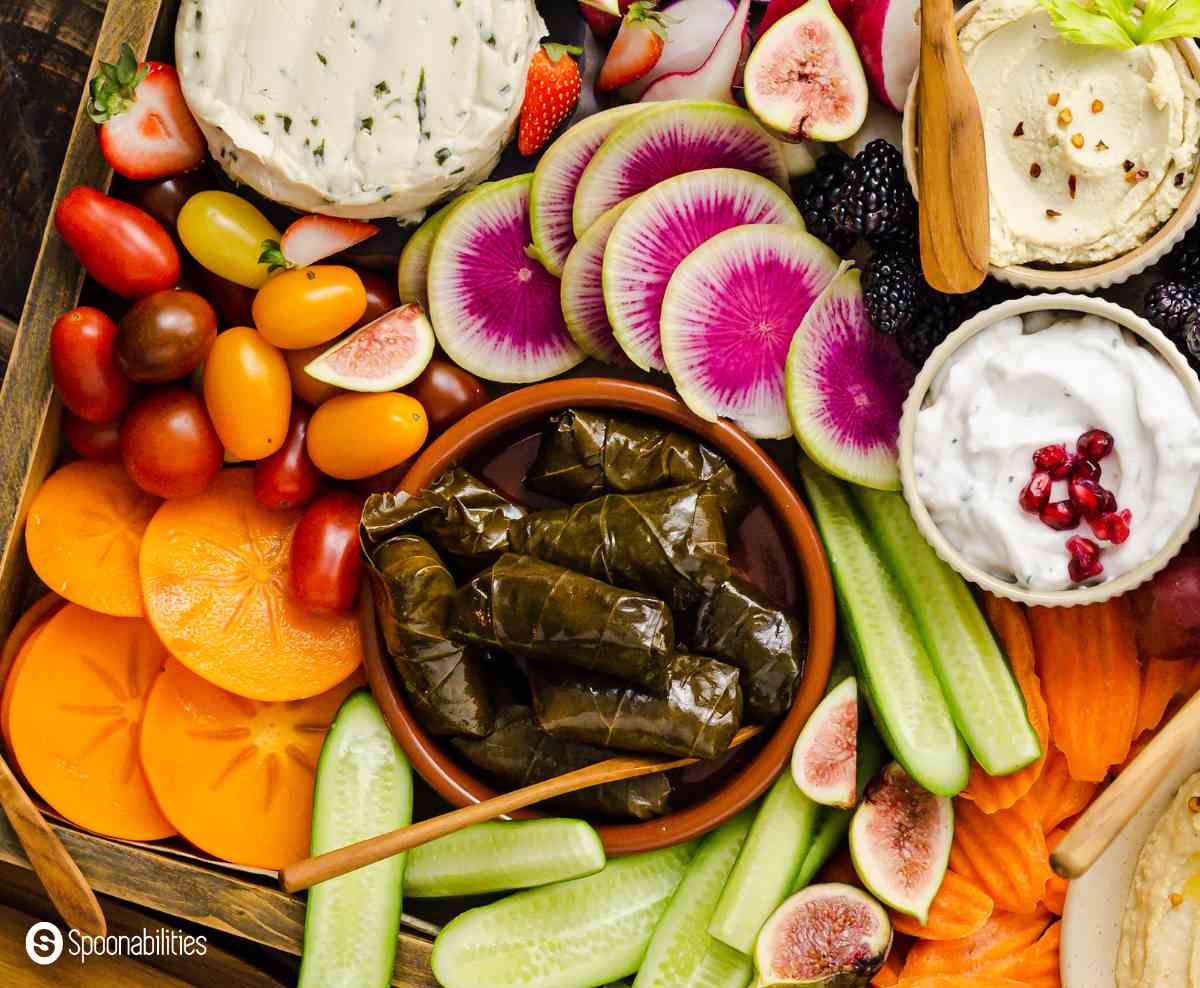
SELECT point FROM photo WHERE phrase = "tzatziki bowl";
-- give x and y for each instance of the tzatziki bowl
(1050, 450)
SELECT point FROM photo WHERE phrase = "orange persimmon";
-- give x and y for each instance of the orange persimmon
(83, 534)
(16, 647)
(214, 571)
(235, 776)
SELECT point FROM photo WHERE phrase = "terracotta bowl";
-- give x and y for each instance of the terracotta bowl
(479, 432)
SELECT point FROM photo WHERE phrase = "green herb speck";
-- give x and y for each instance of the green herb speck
(319, 152)
(199, 17)
(441, 155)
(453, 40)
(366, 123)
(314, 121)
(459, 170)
(421, 106)
(381, 89)
(322, 58)
(287, 122)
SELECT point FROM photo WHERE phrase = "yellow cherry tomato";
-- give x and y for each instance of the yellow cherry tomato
(248, 393)
(225, 234)
(307, 306)
(304, 386)
(356, 435)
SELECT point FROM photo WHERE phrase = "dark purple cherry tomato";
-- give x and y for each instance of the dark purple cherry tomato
(380, 483)
(447, 393)
(164, 198)
(287, 478)
(232, 301)
(165, 336)
(84, 366)
(382, 296)
(168, 444)
(92, 440)
(326, 567)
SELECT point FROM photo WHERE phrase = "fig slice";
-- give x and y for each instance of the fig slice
(830, 935)
(824, 761)
(386, 354)
(900, 841)
(804, 80)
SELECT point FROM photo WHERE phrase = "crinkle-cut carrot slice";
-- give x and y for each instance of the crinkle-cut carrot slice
(83, 535)
(75, 715)
(989, 792)
(1162, 681)
(1004, 853)
(1056, 796)
(888, 975)
(959, 981)
(1039, 965)
(1087, 659)
(1055, 895)
(959, 909)
(1004, 936)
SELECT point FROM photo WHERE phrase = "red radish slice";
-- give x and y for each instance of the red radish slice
(412, 275)
(693, 30)
(583, 292)
(713, 78)
(494, 308)
(728, 318)
(386, 354)
(888, 38)
(314, 238)
(662, 227)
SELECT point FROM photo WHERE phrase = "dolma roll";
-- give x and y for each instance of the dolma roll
(443, 679)
(460, 514)
(697, 718)
(550, 614)
(737, 624)
(517, 753)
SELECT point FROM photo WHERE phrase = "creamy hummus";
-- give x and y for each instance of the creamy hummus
(1159, 941)
(1089, 150)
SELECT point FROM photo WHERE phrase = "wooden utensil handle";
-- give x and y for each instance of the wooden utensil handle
(1096, 829)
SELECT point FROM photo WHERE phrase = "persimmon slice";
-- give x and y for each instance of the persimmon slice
(75, 714)
(16, 647)
(214, 571)
(83, 534)
(235, 776)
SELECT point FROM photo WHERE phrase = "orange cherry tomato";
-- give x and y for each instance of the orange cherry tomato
(248, 393)
(308, 306)
(306, 387)
(355, 435)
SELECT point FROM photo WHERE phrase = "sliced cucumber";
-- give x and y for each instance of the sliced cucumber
(363, 788)
(583, 932)
(767, 866)
(499, 857)
(894, 668)
(984, 698)
(682, 953)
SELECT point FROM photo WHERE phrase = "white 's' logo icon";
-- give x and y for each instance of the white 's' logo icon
(44, 943)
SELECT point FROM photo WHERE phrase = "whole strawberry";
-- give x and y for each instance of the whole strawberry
(146, 128)
(551, 91)
(637, 48)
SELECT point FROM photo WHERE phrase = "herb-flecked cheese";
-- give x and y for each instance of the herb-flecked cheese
(358, 108)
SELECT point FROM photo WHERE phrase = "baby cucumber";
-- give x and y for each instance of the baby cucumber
(766, 866)
(363, 788)
(587, 931)
(894, 669)
(682, 953)
(984, 698)
(499, 857)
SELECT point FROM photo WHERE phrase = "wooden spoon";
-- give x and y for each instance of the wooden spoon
(1116, 806)
(305, 874)
(951, 163)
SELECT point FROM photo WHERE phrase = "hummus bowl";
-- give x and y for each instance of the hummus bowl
(1093, 179)
(1008, 446)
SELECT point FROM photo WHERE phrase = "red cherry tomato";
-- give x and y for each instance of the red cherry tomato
(84, 366)
(447, 393)
(326, 566)
(92, 440)
(382, 296)
(287, 478)
(122, 247)
(168, 444)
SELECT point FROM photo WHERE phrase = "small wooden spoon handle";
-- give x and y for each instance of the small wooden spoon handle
(57, 870)
(1096, 829)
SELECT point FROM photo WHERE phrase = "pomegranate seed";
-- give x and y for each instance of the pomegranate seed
(1083, 548)
(1050, 457)
(1112, 526)
(1062, 516)
(1108, 501)
(1064, 469)
(1085, 469)
(1036, 493)
(1088, 496)
(1095, 444)
(1085, 559)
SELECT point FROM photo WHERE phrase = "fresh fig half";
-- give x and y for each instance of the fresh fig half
(900, 841)
(832, 936)
(386, 354)
(804, 80)
(824, 761)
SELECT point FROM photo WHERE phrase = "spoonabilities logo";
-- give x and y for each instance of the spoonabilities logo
(44, 943)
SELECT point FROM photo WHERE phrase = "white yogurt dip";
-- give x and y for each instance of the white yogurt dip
(1022, 384)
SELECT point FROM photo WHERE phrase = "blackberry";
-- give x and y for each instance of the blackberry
(1191, 340)
(892, 286)
(817, 195)
(1169, 304)
(876, 202)
(939, 315)
(1184, 260)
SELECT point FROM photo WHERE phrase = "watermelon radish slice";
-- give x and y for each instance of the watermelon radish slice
(386, 354)
(660, 229)
(664, 141)
(583, 292)
(494, 308)
(413, 273)
(728, 318)
(846, 385)
(825, 759)
(555, 178)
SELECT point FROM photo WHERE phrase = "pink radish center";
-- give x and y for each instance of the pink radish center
(822, 937)
(807, 73)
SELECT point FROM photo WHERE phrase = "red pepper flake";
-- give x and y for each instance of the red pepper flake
(1035, 170)
(1020, 131)
(1143, 174)
(1128, 165)
(1180, 178)
(1052, 214)
(1071, 184)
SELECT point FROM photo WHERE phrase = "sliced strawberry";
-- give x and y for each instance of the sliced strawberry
(602, 16)
(637, 48)
(146, 128)
(314, 238)
(552, 87)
